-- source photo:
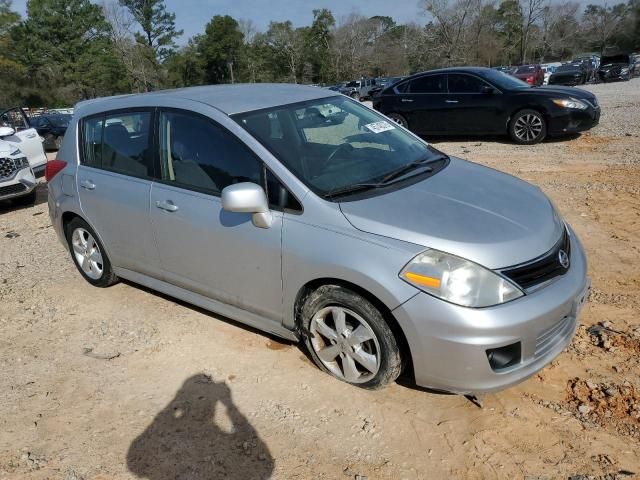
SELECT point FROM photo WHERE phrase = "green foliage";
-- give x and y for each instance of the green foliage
(218, 49)
(157, 24)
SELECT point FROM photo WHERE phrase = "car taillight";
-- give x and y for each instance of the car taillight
(529, 79)
(53, 168)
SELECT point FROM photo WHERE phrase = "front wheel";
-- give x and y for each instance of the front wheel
(349, 338)
(355, 96)
(89, 255)
(399, 119)
(528, 127)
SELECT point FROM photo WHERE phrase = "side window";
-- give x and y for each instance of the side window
(92, 139)
(428, 84)
(126, 144)
(197, 153)
(15, 119)
(459, 83)
(279, 196)
(403, 87)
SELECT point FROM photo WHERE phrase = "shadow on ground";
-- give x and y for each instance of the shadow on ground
(200, 434)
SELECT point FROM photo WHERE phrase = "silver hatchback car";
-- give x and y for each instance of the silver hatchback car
(310, 216)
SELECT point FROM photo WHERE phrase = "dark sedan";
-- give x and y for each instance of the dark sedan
(483, 101)
(615, 67)
(52, 128)
(570, 74)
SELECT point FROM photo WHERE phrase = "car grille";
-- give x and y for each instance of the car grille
(7, 168)
(549, 338)
(12, 189)
(543, 268)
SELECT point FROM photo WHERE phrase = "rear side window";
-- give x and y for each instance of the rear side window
(120, 143)
(14, 118)
(196, 153)
(428, 84)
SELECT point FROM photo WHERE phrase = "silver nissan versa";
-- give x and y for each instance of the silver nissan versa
(310, 216)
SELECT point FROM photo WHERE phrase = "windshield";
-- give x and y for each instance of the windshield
(334, 143)
(614, 59)
(568, 68)
(504, 80)
(60, 120)
(353, 84)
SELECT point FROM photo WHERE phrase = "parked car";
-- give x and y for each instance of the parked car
(483, 101)
(24, 137)
(17, 180)
(615, 67)
(548, 69)
(52, 128)
(635, 59)
(569, 74)
(590, 65)
(359, 89)
(532, 74)
(336, 87)
(383, 83)
(359, 238)
(503, 69)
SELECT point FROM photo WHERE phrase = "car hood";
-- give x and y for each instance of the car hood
(468, 210)
(553, 90)
(609, 66)
(6, 148)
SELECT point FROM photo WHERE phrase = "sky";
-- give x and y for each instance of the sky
(193, 15)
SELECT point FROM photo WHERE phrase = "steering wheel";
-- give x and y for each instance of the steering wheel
(333, 154)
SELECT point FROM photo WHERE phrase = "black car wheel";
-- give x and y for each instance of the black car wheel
(399, 119)
(58, 143)
(528, 127)
(355, 96)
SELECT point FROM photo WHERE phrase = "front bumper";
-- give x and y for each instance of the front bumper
(449, 343)
(21, 184)
(573, 121)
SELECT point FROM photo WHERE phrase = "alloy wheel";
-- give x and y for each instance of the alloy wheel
(528, 127)
(345, 344)
(399, 119)
(87, 253)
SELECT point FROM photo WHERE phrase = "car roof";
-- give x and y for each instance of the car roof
(230, 99)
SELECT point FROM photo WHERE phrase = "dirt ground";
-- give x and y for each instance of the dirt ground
(123, 383)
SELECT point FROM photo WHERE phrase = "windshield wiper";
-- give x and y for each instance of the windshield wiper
(356, 187)
(407, 168)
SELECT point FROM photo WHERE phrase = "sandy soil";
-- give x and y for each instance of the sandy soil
(124, 383)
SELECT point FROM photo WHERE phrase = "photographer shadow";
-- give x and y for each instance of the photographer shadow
(187, 440)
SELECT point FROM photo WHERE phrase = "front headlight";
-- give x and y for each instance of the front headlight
(570, 103)
(457, 280)
(15, 152)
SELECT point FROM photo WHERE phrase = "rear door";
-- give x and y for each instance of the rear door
(25, 138)
(470, 110)
(204, 248)
(422, 101)
(114, 184)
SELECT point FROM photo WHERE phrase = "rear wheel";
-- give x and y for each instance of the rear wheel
(58, 143)
(399, 119)
(89, 255)
(355, 96)
(528, 127)
(349, 338)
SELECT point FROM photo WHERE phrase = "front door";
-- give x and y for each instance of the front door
(25, 138)
(472, 110)
(203, 248)
(114, 184)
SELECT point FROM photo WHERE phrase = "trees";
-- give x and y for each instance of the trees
(218, 49)
(601, 23)
(158, 25)
(11, 71)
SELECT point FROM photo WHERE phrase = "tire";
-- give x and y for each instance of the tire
(399, 119)
(528, 127)
(369, 359)
(57, 143)
(97, 271)
(355, 96)
(26, 200)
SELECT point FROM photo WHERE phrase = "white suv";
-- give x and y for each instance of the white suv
(22, 157)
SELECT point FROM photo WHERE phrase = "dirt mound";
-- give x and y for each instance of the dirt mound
(606, 404)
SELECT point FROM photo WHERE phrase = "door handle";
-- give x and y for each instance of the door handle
(406, 100)
(88, 185)
(167, 206)
(451, 101)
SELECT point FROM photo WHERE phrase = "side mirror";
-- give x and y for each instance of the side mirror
(247, 197)
(6, 131)
(486, 89)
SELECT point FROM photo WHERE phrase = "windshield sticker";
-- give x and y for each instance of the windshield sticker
(378, 127)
